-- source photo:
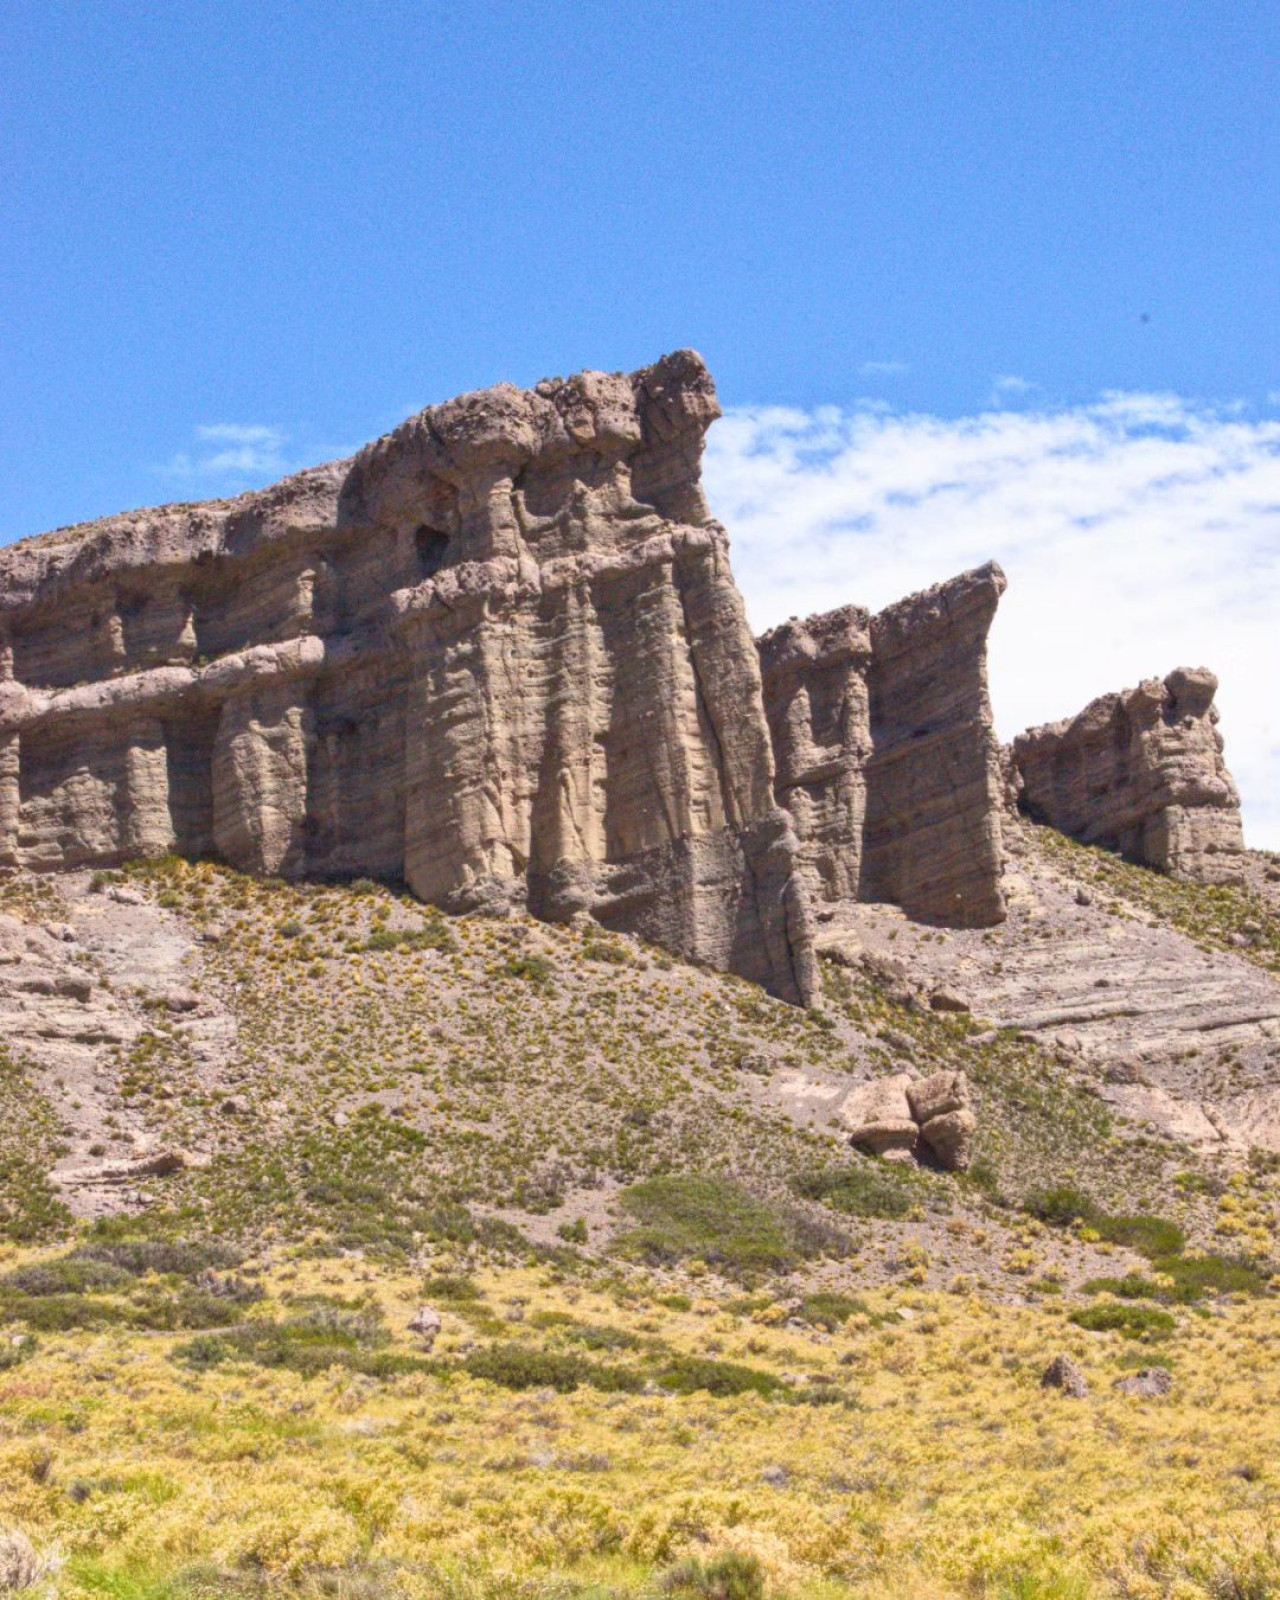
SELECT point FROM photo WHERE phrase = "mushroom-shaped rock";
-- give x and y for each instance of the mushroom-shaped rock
(878, 1116)
(425, 1322)
(1065, 1374)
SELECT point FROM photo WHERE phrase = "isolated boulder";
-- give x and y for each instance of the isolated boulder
(940, 1104)
(426, 1324)
(1149, 1384)
(950, 1137)
(1065, 1374)
(938, 1094)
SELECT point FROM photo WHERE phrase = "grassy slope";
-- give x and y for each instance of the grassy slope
(473, 1097)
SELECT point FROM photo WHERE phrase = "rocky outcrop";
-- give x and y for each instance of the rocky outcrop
(499, 653)
(886, 758)
(1141, 772)
(899, 1116)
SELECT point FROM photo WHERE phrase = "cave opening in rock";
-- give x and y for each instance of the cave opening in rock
(432, 547)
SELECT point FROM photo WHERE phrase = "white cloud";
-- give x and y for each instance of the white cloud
(1139, 533)
(236, 452)
(883, 369)
(1010, 383)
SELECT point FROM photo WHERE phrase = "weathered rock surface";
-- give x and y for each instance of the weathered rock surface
(1065, 1374)
(1142, 773)
(890, 1116)
(886, 758)
(499, 653)
(1177, 1037)
(878, 1116)
(1148, 1384)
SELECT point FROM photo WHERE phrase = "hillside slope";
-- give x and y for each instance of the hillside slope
(688, 1339)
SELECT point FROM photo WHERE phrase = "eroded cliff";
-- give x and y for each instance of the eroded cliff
(886, 756)
(1141, 772)
(499, 653)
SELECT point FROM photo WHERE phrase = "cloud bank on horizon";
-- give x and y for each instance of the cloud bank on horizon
(1139, 533)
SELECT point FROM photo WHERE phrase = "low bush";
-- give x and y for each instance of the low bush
(1193, 1277)
(522, 1366)
(865, 1188)
(1133, 1321)
(831, 1310)
(1196, 1276)
(714, 1218)
(1149, 1236)
(731, 1576)
(688, 1374)
(1061, 1206)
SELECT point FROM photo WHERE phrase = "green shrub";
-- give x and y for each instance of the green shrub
(72, 1274)
(183, 1258)
(731, 1576)
(688, 1374)
(1133, 1286)
(1130, 1320)
(716, 1219)
(1149, 1236)
(1195, 1276)
(532, 968)
(14, 1352)
(446, 1286)
(59, 1313)
(831, 1310)
(202, 1353)
(595, 1337)
(867, 1188)
(521, 1366)
(1061, 1206)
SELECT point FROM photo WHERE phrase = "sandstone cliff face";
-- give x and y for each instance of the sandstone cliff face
(499, 653)
(1142, 773)
(886, 758)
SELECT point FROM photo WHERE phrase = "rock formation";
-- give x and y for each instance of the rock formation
(890, 1117)
(498, 653)
(885, 754)
(1142, 773)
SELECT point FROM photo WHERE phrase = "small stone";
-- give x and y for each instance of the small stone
(1149, 1384)
(1083, 897)
(426, 1324)
(776, 1477)
(1065, 1374)
(948, 1000)
(236, 1105)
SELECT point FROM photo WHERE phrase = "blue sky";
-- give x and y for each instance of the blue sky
(238, 238)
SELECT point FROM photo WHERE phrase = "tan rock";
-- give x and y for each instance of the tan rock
(885, 754)
(499, 653)
(950, 1137)
(935, 1096)
(426, 1324)
(1142, 773)
(878, 1117)
(1065, 1374)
